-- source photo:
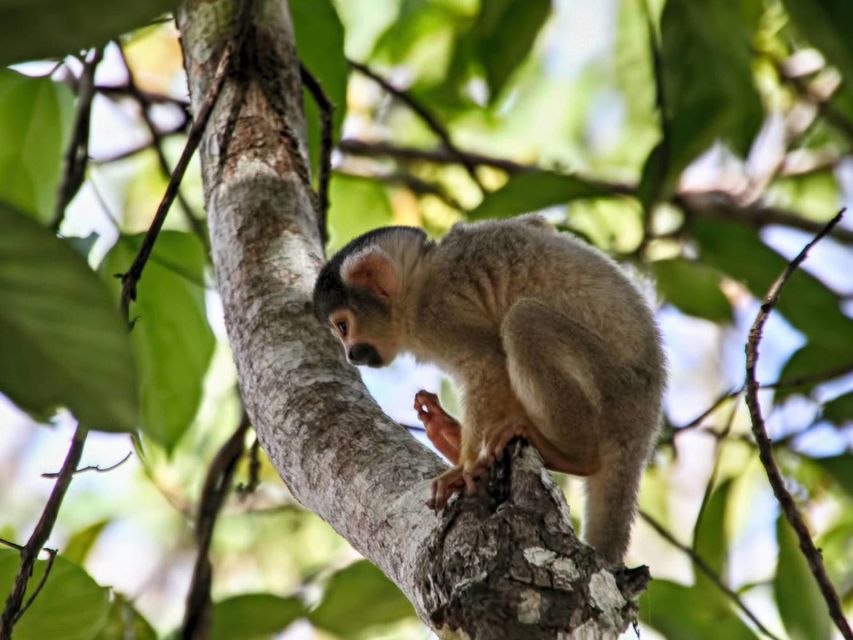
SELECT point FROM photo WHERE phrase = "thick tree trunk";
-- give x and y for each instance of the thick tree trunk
(502, 564)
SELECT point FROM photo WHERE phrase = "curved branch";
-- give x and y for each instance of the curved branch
(504, 563)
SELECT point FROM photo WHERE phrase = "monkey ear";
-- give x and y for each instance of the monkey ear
(373, 270)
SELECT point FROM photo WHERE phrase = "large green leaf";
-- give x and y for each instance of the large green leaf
(71, 606)
(801, 606)
(55, 27)
(806, 302)
(81, 542)
(35, 118)
(697, 613)
(254, 615)
(357, 205)
(527, 192)
(320, 44)
(693, 287)
(171, 338)
(504, 34)
(61, 335)
(839, 410)
(708, 87)
(357, 598)
(826, 23)
(813, 360)
(125, 622)
(840, 467)
(710, 541)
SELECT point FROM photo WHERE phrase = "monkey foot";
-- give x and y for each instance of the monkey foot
(451, 482)
(495, 442)
(442, 429)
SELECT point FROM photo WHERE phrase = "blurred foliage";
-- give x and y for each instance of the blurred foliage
(612, 118)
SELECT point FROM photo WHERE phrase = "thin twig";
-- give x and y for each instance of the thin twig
(705, 568)
(765, 454)
(254, 479)
(152, 97)
(156, 143)
(216, 485)
(51, 556)
(424, 114)
(130, 279)
(77, 153)
(40, 534)
(181, 127)
(93, 467)
(412, 183)
(324, 171)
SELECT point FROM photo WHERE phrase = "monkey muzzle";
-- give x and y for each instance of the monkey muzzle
(363, 353)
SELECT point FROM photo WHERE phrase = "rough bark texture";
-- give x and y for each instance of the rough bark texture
(502, 564)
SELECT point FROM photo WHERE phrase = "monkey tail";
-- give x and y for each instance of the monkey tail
(611, 503)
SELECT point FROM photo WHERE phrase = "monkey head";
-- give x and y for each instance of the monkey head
(357, 291)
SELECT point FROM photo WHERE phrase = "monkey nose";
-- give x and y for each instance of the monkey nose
(363, 353)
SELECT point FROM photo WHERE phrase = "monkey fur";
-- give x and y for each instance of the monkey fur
(545, 336)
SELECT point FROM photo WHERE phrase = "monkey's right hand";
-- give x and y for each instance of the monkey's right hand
(443, 430)
(450, 482)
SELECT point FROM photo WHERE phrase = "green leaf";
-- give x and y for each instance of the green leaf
(840, 467)
(826, 23)
(805, 302)
(254, 615)
(81, 245)
(124, 621)
(504, 34)
(57, 27)
(527, 192)
(800, 604)
(61, 335)
(718, 102)
(357, 205)
(710, 541)
(839, 410)
(35, 118)
(320, 45)
(813, 360)
(357, 598)
(698, 613)
(82, 541)
(171, 338)
(693, 287)
(71, 606)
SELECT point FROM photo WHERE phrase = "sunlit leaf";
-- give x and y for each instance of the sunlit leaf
(82, 541)
(35, 118)
(693, 287)
(839, 410)
(61, 335)
(71, 606)
(805, 302)
(357, 205)
(802, 608)
(171, 338)
(65, 26)
(254, 615)
(124, 622)
(320, 44)
(505, 32)
(710, 541)
(528, 192)
(359, 597)
(698, 613)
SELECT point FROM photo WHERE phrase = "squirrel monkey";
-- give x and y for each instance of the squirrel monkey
(546, 337)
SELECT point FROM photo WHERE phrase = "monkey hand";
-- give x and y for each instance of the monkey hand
(452, 481)
(443, 430)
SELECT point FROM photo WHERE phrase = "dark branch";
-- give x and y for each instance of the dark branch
(324, 172)
(705, 568)
(93, 467)
(30, 551)
(130, 279)
(77, 154)
(156, 143)
(181, 127)
(765, 454)
(51, 556)
(216, 486)
(424, 114)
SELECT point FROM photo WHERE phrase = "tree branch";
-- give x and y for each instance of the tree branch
(504, 563)
(765, 454)
(29, 552)
(324, 173)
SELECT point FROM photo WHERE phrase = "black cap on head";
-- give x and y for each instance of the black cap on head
(330, 292)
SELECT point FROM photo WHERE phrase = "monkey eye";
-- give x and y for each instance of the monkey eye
(342, 327)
